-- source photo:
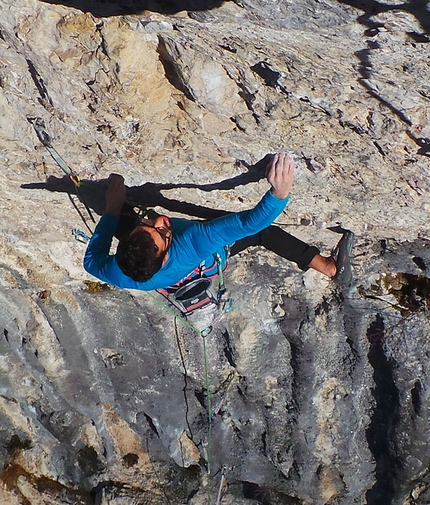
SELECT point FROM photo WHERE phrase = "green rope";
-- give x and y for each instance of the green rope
(208, 394)
(206, 364)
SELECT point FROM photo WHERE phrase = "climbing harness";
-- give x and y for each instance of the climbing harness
(195, 292)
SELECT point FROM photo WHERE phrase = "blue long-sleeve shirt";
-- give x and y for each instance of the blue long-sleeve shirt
(193, 242)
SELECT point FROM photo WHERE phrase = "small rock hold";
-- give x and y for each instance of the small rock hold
(203, 16)
(111, 358)
(43, 295)
(279, 311)
(420, 263)
(156, 26)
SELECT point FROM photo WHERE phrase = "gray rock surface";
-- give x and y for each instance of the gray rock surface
(304, 393)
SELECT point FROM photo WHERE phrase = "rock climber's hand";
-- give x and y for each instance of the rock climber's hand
(280, 174)
(115, 195)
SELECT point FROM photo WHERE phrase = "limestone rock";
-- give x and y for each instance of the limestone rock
(304, 392)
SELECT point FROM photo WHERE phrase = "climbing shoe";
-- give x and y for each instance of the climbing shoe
(341, 255)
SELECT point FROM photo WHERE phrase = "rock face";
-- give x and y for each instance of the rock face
(304, 393)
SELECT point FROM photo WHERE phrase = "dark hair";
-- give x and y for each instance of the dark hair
(138, 256)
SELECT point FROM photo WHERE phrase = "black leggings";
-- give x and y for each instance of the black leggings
(272, 238)
(280, 242)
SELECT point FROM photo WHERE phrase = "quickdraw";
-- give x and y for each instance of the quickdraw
(46, 139)
(223, 310)
(80, 236)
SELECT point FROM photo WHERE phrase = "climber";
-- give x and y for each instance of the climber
(162, 252)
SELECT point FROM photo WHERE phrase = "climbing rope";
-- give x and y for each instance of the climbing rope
(46, 139)
(206, 366)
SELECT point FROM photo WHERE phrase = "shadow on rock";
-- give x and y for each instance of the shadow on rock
(105, 8)
(150, 194)
(371, 8)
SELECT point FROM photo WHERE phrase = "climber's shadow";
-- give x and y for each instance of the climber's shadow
(92, 193)
(371, 9)
(103, 8)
